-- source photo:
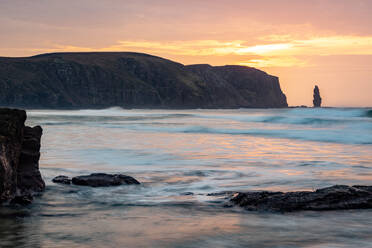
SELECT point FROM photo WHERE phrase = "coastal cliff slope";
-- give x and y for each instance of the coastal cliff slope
(132, 80)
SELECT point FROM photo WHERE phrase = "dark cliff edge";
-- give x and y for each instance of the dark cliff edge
(20, 177)
(132, 80)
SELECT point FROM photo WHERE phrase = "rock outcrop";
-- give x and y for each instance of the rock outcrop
(337, 197)
(317, 100)
(62, 180)
(97, 180)
(132, 80)
(20, 177)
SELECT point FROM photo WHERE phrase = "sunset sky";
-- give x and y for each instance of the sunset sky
(327, 42)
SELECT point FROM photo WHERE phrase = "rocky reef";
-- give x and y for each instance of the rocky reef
(97, 180)
(20, 177)
(132, 80)
(317, 100)
(337, 197)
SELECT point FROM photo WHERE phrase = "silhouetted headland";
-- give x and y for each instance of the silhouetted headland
(132, 80)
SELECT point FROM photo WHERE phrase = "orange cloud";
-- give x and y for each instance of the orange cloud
(291, 53)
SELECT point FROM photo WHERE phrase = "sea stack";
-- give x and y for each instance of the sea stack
(317, 100)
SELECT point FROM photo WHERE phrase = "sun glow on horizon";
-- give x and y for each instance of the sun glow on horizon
(263, 49)
(292, 53)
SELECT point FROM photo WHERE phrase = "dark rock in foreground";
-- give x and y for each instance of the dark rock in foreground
(22, 200)
(97, 180)
(20, 177)
(332, 198)
(29, 177)
(132, 80)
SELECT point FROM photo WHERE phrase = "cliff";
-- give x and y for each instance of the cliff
(131, 80)
(20, 177)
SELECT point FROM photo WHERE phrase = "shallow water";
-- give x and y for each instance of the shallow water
(182, 156)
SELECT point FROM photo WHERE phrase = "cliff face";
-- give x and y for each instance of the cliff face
(240, 86)
(98, 80)
(19, 156)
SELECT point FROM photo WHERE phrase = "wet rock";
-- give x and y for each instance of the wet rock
(20, 177)
(337, 197)
(103, 180)
(28, 173)
(22, 200)
(223, 193)
(62, 180)
(187, 193)
(317, 101)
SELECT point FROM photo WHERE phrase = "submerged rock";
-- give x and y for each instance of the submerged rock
(97, 180)
(20, 177)
(332, 198)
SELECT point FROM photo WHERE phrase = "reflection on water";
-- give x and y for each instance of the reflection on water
(63, 225)
(16, 229)
(180, 157)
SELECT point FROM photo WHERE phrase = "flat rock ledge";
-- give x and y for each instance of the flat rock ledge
(97, 180)
(338, 197)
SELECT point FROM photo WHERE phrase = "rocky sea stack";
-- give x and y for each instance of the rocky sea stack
(132, 80)
(20, 177)
(317, 100)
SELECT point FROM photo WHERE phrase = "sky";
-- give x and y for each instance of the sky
(303, 42)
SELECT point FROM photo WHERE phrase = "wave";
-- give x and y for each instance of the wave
(61, 123)
(358, 136)
(100, 116)
(368, 113)
(348, 126)
(301, 120)
(112, 112)
(320, 116)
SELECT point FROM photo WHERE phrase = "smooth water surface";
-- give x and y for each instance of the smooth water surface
(181, 156)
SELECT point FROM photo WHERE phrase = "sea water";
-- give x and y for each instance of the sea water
(181, 157)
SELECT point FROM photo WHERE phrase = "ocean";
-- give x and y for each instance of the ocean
(181, 157)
